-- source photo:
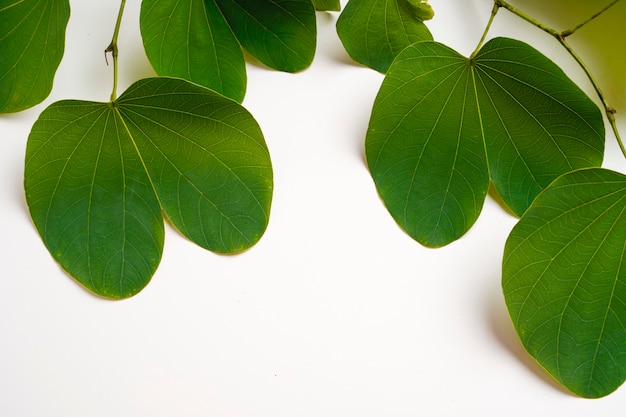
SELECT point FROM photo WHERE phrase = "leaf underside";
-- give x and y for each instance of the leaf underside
(374, 32)
(279, 33)
(193, 41)
(99, 175)
(32, 42)
(564, 280)
(443, 126)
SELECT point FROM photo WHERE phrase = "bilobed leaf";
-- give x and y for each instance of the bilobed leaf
(327, 5)
(98, 175)
(32, 42)
(279, 33)
(564, 280)
(443, 125)
(192, 40)
(373, 32)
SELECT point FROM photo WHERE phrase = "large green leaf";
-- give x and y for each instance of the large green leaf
(279, 33)
(32, 42)
(564, 280)
(443, 125)
(373, 32)
(98, 175)
(192, 40)
(327, 5)
(538, 124)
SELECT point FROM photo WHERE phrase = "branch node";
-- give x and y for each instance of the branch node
(565, 33)
(108, 49)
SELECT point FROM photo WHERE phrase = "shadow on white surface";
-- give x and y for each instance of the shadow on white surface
(504, 332)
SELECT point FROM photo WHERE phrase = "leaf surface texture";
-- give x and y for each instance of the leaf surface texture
(279, 33)
(564, 280)
(32, 42)
(99, 175)
(192, 40)
(374, 32)
(443, 126)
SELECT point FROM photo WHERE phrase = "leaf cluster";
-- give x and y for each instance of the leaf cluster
(445, 127)
(101, 176)
(202, 40)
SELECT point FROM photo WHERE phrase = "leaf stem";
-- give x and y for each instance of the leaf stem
(608, 109)
(529, 19)
(494, 11)
(568, 32)
(113, 49)
(560, 36)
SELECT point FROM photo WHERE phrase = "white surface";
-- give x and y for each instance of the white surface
(335, 313)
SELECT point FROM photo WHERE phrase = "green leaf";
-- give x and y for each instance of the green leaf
(421, 9)
(373, 32)
(91, 199)
(98, 175)
(32, 41)
(192, 40)
(279, 33)
(424, 145)
(327, 5)
(564, 280)
(538, 124)
(443, 125)
(207, 159)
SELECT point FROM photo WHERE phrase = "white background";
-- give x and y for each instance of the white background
(334, 313)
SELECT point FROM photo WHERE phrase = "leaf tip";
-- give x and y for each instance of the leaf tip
(421, 9)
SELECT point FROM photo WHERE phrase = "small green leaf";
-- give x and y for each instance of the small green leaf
(192, 40)
(32, 41)
(421, 9)
(443, 125)
(98, 175)
(327, 5)
(373, 32)
(564, 280)
(279, 33)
